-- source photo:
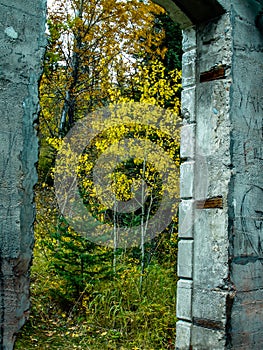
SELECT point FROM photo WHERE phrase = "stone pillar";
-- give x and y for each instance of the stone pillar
(22, 26)
(220, 258)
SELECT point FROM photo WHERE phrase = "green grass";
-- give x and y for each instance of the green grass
(113, 314)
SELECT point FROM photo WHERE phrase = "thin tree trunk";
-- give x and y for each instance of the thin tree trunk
(63, 119)
(142, 227)
(69, 107)
(115, 236)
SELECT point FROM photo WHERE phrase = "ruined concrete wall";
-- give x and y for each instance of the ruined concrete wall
(246, 188)
(22, 25)
(220, 259)
(203, 247)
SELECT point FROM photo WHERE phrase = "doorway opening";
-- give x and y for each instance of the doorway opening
(120, 63)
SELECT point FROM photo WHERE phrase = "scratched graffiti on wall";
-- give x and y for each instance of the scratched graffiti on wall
(250, 243)
(249, 109)
(252, 219)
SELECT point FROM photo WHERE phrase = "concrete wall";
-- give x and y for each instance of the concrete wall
(246, 187)
(220, 260)
(22, 24)
(203, 250)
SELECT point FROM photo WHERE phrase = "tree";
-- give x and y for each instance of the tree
(96, 58)
(91, 45)
(78, 261)
(171, 41)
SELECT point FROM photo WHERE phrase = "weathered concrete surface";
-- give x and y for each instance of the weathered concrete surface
(22, 25)
(246, 188)
(220, 259)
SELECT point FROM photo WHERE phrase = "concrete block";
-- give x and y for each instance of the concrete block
(203, 176)
(213, 132)
(210, 303)
(183, 335)
(207, 339)
(187, 179)
(188, 100)
(189, 39)
(184, 300)
(212, 178)
(187, 145)
(189, 68)
(213, 119)
(186, 219)
(185, 258)
(215, 40)
(211, 248)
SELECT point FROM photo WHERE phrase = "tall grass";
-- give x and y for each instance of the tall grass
(113, 314)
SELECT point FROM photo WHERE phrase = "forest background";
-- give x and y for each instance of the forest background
(106, 54)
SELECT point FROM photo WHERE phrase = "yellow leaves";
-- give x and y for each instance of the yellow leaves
(93, 46)
(97, 61)
(55, 142)
(121, 186)
(107, 174)
(158, 87)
